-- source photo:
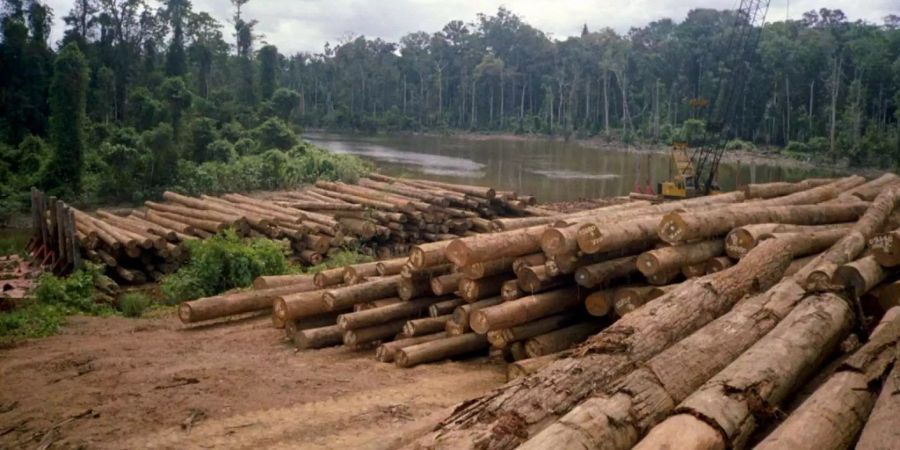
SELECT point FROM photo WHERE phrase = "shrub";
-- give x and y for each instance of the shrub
(133, 304)
(74, 293)
(739, 144)
(274, 133)
(340, 259)
(221, 263)
(796, 147)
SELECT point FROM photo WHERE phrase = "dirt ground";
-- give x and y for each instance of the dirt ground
(116, 383)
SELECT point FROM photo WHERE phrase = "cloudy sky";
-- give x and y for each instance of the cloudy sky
(306, 25)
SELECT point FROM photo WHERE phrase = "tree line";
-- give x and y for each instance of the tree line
(136, 98)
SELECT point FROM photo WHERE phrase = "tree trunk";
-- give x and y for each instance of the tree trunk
(328, 278)
(718, 264)
(445, 307)
(535, 279)
(445, 284)
(628, 299)
(293, 306)
(462, 313)
(440, 349)
(235, 303)
(273, 281)
(426, 255)
(860, 276)
(529, 404)
(374, 333)
(833, 415)
(529, 366)
(881, 427)
(781, 188)
(741, 240)
(503, 337)
(488, 268)
(886, 248)
(600, 303)
(510, 314)
(319, 337)
(675, 257)
(510, 290)
(617, 418)
(763, 376)
(408, 289)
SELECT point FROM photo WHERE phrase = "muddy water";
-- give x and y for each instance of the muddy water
(550, 170)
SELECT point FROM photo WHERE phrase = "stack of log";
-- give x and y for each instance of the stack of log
(715, 313)
(381, 215)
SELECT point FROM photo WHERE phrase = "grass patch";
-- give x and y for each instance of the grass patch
(223, 262)
(133, 304)
(340, 259)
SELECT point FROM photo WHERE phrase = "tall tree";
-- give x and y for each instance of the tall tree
(68, 93)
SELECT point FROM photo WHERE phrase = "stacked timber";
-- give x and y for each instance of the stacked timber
(708, 315)
(381, 215)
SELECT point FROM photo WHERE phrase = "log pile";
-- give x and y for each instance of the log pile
(709, 315)
(381, 215)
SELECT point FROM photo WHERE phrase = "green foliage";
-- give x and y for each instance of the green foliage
(203, 133)
(796, 147)
(738, 144)
(275, 133)
(67, 120)
(284, 101)
(340, 259)
(74, 293)
(35, 319)
(133, 304)
(221, 263)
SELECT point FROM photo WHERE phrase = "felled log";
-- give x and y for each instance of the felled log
(439, 349)
(319, 337)
(677, 256)
(561, 339)
(600, 303)
(426, 325)
(682, 227)
(860, 276)
(510, 314)
(618, 418)
(426, 255)
(488, 268)
(390, 267)
(832, 417)
(529, 366)
(741, 240)
(510, 290)
(506, 336)
(445, 307)
(295, 305)
(599, 361)
(462, 313)
(778, 189)
(820, 273)
(234, 303)
(385, 352)
(446, 284)
(357, 336)
(886, 248)
(604, 272)
(718, 264)
(408, 289)
(388, 313)
(473, 290)
(534, 259)
(345, 297)
(328, 278)
(272, 281)
(630, 298)
(467, 251)
(881, 426)
(767, 373)
(536, 279)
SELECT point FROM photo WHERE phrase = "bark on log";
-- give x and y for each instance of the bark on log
(409, 289)
(427, 325)
(488, 268)
(667, 258)
(356, 273)
(535, 279)
(511, 291)
(510, 314)
(763, 376)
(319, 337)
(529, 404)
(385, 352)
(561, 339)
(832, 417)
(292, 306)
(741, 240)
(390, 267)
(718, 264)
(869, 191)
(440, 349)
(602, 273)
(345, 297)
(817, 194)
(694, 270)
(677, 227)
(881, 427)
(468, 251)
(619, 416)
(529, 366)
(534, 259)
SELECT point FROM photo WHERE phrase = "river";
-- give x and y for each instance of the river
(550, 170)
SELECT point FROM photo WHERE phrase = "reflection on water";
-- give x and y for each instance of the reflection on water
(550, 170)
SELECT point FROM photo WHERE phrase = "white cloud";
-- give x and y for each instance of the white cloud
(305, 25)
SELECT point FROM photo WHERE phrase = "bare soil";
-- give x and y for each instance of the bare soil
(116, 383)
